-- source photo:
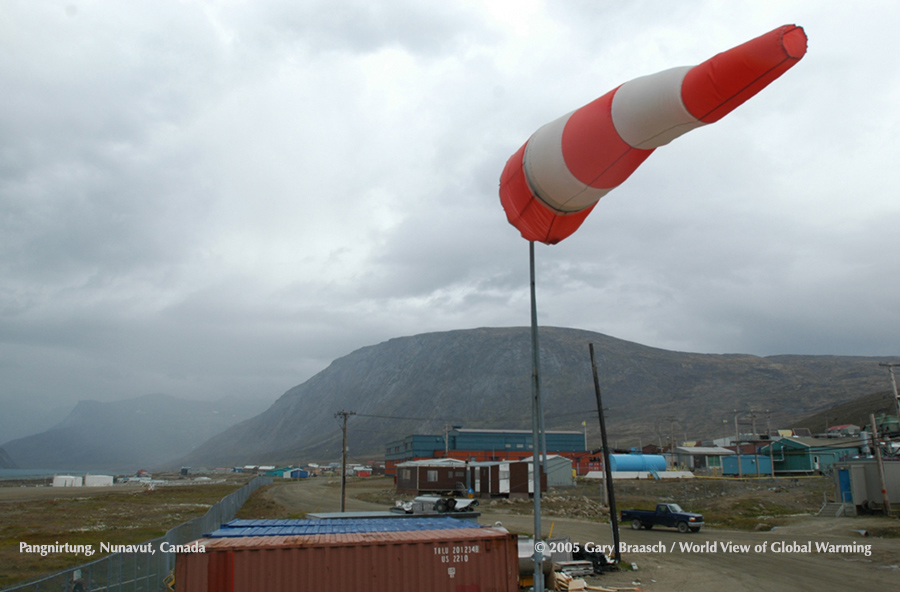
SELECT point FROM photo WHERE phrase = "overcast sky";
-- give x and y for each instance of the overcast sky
(221, 198)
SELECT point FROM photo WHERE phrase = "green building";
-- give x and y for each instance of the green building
(810, 455)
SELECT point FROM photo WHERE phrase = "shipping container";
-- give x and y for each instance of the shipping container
(448, 560)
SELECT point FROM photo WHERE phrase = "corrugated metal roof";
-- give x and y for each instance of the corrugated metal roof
(264, 528)
(354, 538)
(823, 442)
(704, 450)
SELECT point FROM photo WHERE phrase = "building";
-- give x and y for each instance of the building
(98, 480)
(858, 486)
(453, 476)
(559, 470)
(67, 481)
(846, 430)
(480, 445)
(810, 455)
(751, 465)
(701, 458)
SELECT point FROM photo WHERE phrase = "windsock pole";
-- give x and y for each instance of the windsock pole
(536, 425)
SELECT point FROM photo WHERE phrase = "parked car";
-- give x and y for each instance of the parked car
(670, 515)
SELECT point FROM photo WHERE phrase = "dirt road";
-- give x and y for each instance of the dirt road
(786, 559)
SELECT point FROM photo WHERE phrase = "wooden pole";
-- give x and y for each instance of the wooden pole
(607, 470)
(345, 415)
(885, 499)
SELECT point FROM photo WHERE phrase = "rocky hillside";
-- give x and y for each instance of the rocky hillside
(480, 378)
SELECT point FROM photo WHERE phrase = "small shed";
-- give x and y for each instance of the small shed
(858, 486)
(559, 470)
(701, 457)
(751, 465)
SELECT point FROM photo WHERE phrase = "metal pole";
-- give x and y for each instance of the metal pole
(535, 426)
(607, 471)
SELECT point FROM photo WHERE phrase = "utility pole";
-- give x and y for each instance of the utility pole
(755, 441)
(885, 499)
(890, 368)
(672, 441)
(771, 444)
(344, 415)
(607, 470)
(737, 444)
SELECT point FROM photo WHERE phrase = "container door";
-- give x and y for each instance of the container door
(844, 485)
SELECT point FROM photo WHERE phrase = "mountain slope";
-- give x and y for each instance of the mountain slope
(854, 412)
(123, 436)
(481, 378)
(6, 462)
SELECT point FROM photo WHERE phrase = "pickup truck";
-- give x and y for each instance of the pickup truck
(665, 515)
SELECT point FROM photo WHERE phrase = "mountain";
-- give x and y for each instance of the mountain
(23, 416)
(481, 378)
(124, 436)
(5, 461)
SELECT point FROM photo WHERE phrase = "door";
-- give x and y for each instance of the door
(844, 485)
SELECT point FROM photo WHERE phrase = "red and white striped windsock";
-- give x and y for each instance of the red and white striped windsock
(552, 183)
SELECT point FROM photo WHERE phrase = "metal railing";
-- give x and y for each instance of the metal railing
(143, 571)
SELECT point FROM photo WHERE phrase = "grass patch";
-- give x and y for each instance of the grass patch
(260, 506)
(116, 518)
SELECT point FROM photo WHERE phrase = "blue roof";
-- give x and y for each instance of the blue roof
(253, 528)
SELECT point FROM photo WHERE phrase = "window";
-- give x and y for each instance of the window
(431, 477)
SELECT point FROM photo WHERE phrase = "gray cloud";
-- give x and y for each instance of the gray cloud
(219, 200)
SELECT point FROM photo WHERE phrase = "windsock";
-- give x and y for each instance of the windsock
(555, 179)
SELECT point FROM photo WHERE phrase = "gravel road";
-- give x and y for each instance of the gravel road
(789, 558)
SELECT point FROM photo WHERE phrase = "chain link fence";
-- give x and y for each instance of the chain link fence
(147, 571)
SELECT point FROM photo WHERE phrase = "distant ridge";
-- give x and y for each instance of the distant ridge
(481, 378)
(5, 461)
(124, 436)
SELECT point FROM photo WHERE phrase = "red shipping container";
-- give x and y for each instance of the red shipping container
(456, 560)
